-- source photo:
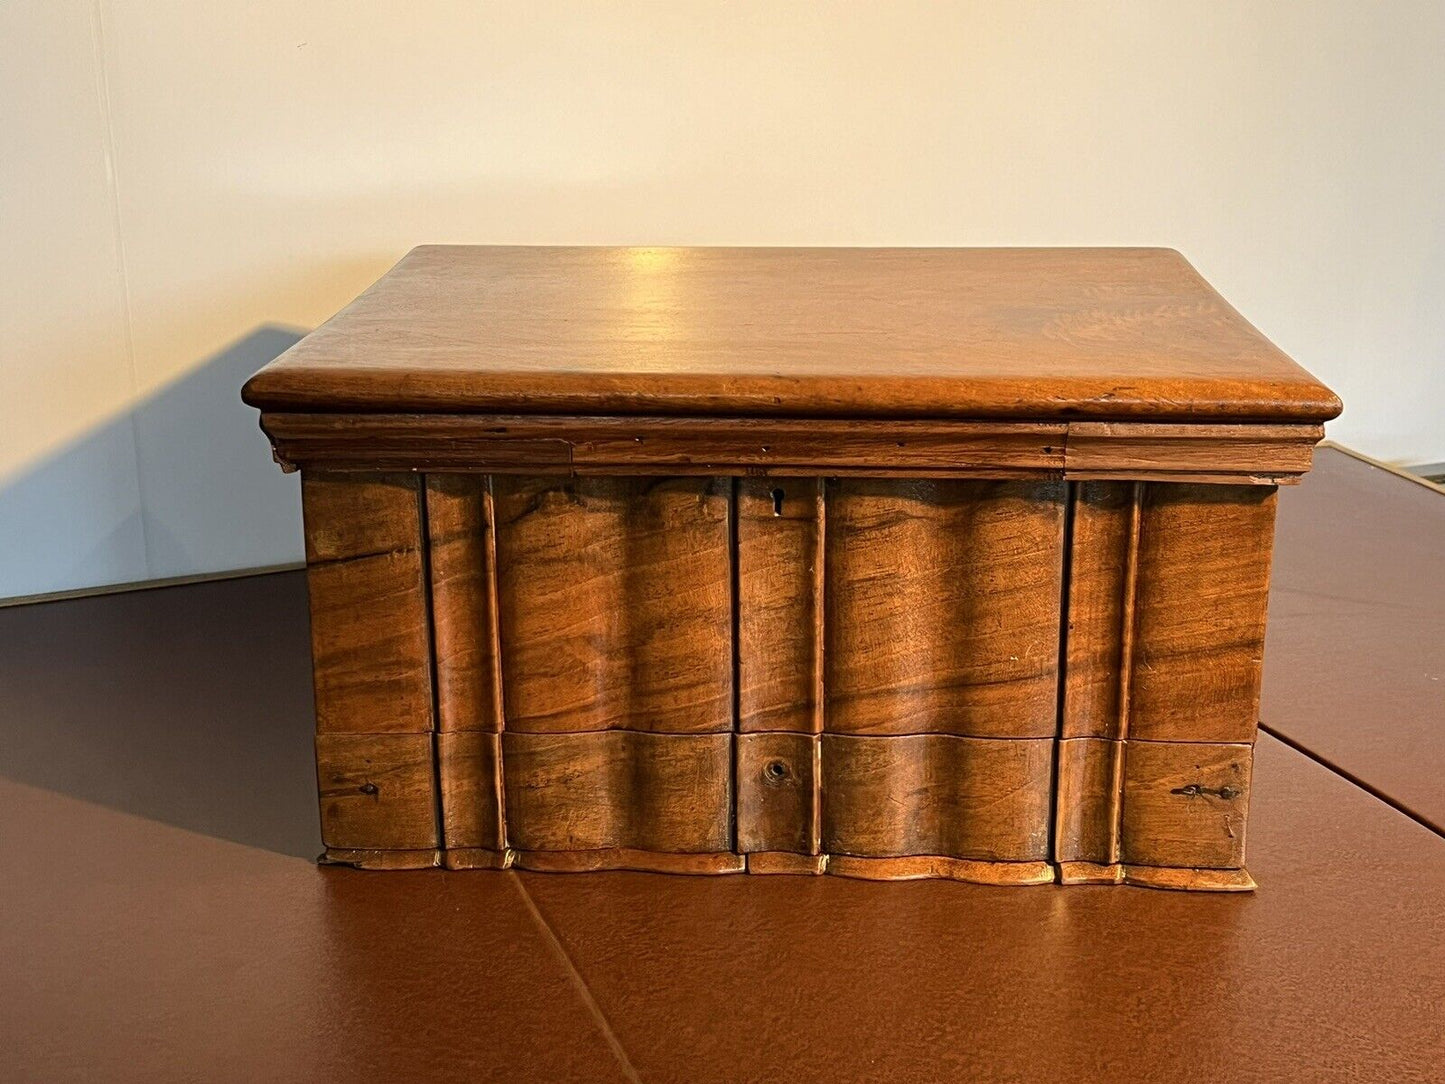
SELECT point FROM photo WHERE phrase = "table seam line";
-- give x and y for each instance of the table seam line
(1350, 777)
(575, 978)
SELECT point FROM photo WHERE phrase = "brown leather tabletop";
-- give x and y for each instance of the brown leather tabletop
(160, 918)
(1355, 657)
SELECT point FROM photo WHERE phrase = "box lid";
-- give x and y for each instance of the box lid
(1101, 333)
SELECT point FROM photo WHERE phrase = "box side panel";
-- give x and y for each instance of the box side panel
(371, 659)
(1204, 558)
(370, 645)
(1171, 584)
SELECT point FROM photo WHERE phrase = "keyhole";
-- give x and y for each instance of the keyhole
(777, 502)
(776, 771)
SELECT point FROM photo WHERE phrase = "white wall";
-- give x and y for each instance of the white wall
(186, 186)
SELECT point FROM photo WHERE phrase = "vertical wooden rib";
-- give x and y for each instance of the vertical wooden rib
(943, 607)
(819, 675)
(1103, 559)
(459, 514)
(1100, 595)
(468, 675)
(615, 602)
(780, 663)
(779, 604)
(1118, 751)
(1204, 558)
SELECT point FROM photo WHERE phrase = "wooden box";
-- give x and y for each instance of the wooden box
(879, 562)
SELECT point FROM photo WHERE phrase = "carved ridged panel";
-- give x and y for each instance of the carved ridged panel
(943, 607)
(937, 794)
(1166, 614)
(670, 793)
(615, 603)
(855, 676)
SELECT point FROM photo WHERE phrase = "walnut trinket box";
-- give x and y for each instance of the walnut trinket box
(886, 563)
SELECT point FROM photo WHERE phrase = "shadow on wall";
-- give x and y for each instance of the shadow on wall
(180, 484)
(189, 705)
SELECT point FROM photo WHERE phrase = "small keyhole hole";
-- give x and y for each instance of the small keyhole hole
(777, 502)
(776, 770)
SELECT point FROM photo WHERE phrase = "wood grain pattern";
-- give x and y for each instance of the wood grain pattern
(1087, 804)
(618, 789)
(1103, 334)
(615, 602)
(937, 794)
(623, 444)
(1185, 804)
(630, 859)
(378, 791)
(786, 862)
(1219, 453)
(370, 647)
(1103, 567)
(941, 867)
(780, 527)
(462, 556)
(778, 793)
(470, 766)
(1203, 587)
(373, 858)
(943, 607)
(795, 447)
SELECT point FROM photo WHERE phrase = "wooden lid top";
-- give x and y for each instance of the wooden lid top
(879, 333)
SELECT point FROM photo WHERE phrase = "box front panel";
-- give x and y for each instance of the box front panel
(860, 675)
